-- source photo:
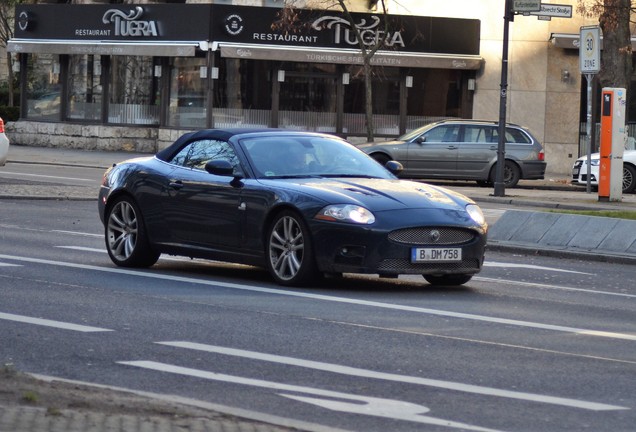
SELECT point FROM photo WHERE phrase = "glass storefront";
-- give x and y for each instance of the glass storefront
(188, 95)
(134, 96)
(85, 88)
(44, 92)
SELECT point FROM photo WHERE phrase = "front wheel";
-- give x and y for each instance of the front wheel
(126, 238)
(381, 158)
(448, 280)
(629, 178)
(290, 258)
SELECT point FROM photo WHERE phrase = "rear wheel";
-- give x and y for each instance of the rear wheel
(448, 280)
(126, 238)
(511, 175)
(290, 258)
(629, 178)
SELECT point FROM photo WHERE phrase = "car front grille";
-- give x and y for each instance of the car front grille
(432, 236)
(403, 266)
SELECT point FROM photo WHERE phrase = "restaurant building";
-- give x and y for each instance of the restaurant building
(136, 76)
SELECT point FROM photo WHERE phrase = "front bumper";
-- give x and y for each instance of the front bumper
(387, 250)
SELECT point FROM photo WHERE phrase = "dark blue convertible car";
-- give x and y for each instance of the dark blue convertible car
(300, 204)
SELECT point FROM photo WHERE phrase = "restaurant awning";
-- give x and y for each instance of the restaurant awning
(152, 49)
(347, 56)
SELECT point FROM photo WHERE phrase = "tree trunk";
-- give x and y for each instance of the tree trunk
(368, 84)
(10, 78)
(616, 57)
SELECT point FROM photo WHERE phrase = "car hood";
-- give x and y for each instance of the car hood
(376, 194)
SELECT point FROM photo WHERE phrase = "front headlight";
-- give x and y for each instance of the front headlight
(595, 162)
(476, 214)
(346, 213)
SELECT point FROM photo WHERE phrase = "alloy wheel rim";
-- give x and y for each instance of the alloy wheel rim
(122, 231)
(627, 179)
(286, 248)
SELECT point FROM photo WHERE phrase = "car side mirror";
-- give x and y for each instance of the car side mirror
(420, 139)
(394, 167)
(222, 167)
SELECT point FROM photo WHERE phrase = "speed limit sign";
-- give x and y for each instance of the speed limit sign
(590, 50)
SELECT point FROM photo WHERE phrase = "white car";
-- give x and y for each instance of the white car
(4, 144)
(579, 170)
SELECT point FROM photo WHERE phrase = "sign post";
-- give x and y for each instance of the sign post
(590, 65)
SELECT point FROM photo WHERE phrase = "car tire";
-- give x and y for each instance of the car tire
(448, 280)
(629, 178)
(381, 158)
(290, 257)
(125, 234)
(512, 174)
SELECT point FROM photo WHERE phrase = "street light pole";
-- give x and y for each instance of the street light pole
(501, 147)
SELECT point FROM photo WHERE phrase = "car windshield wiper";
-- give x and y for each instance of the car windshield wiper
(350, 176)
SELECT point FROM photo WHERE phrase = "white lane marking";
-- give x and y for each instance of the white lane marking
(388, 408)
(77, 233)
(88, 249)
(9, 265)
(50, 323)
(344, 300)
(552, 287)
(365, 373)
(82, 248)
(530, 266)
(4, 173)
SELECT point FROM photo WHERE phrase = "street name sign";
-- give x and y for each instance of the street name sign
(526, 5)
(553, 10)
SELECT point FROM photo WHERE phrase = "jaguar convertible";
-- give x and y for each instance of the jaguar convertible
(299, 204)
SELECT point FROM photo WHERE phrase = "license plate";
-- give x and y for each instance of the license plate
(436, 254)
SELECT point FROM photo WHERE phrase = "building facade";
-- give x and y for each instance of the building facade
(135, 76)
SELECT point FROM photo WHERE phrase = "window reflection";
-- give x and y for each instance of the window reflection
(134, 91)
(44, 93)
(188, 101)
(85, 87)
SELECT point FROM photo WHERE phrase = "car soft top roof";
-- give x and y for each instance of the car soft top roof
(219, 134)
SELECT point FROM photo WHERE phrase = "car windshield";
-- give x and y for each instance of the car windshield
(298, 156)
(415, 133)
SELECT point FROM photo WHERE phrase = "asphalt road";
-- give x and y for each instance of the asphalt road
(532, 343)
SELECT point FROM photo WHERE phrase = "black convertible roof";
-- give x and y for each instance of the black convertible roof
(220, 134)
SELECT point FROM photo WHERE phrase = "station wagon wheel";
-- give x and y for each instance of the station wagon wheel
(381, 158)
(512, 174)
(290, 258)
(448, 280)
(629, 178)
(126, 238)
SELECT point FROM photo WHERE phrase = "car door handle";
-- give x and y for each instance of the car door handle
(452, 147)
(176, 184)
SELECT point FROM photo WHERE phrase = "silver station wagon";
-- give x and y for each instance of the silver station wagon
(463, 150)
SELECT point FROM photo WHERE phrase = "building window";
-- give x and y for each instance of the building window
(44, 91)
(134, 91)
(308, 97)
(188, 98)
(85, 87)
(386, 101)
(242, 94)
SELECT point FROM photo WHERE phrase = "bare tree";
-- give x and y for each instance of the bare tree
(614, 20)
(368, 47)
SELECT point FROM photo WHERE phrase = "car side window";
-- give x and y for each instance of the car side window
(443, 133)
(516, 136)
(198, 153)
(476, 134)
